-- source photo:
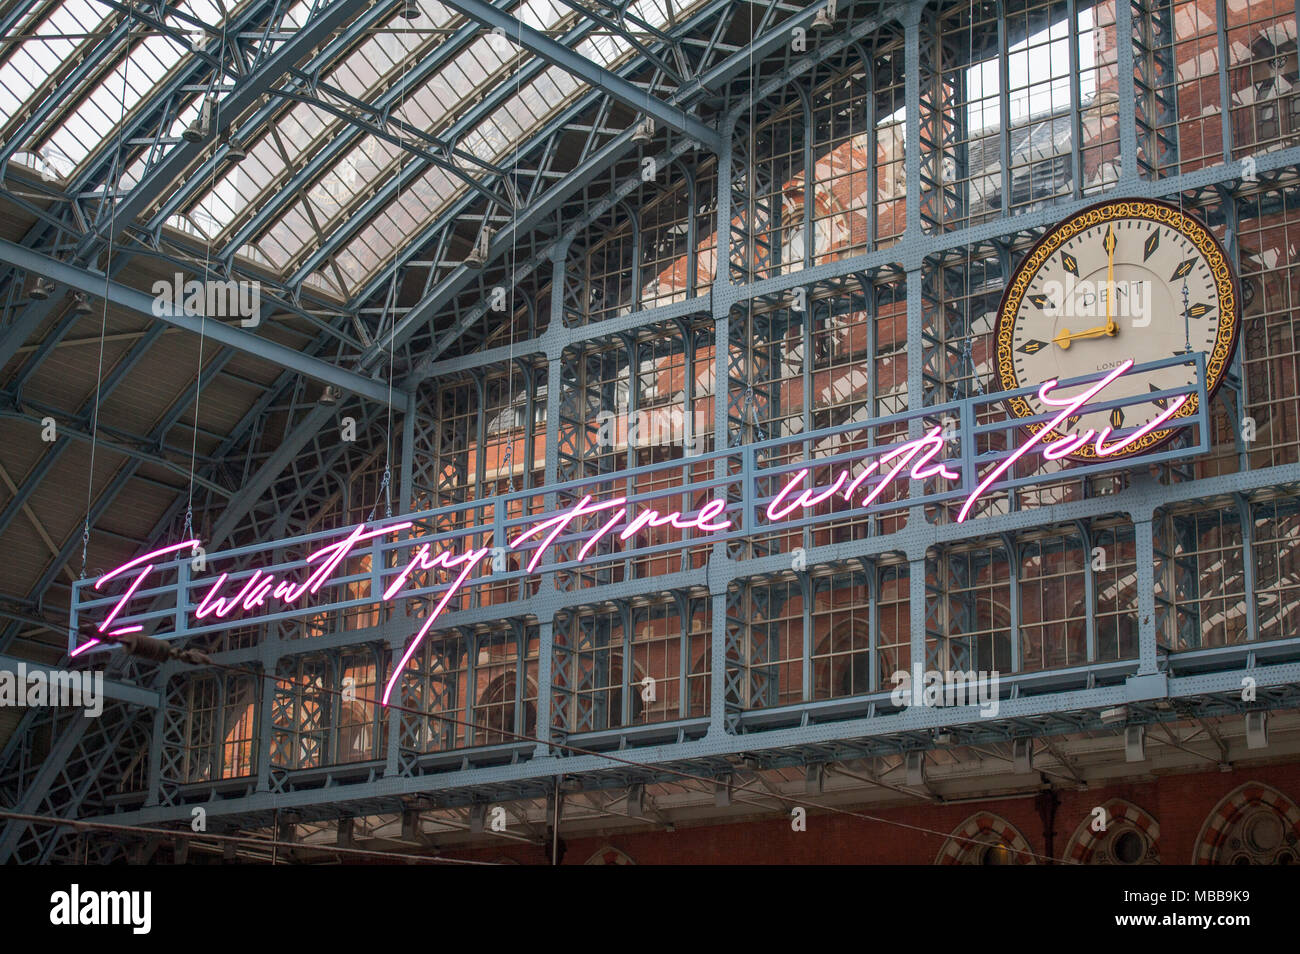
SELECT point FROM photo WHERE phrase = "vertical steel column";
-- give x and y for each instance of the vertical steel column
(872, 573)
(809, 182)
(692, 231)
(268, 652)
(395, 642)
(520, 631)
(682, 606)
(1013, 598)
(1225, 97)
(806, 589)
(720, 308)
(1004, 110)
(1128, 143)
(546, 585)
(154, 781)
(1248, 565)
(1076, 99)
(1145, 547)
(916, 603)
(407, 475)
(627, 676)
(1089, 593)
(471, 641)
(912, 104)
(915, 345)
(869, 65)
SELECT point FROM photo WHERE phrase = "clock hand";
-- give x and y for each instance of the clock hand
(1109, 243)
(1064, 338)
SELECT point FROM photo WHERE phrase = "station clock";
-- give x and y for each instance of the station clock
(1126, 278)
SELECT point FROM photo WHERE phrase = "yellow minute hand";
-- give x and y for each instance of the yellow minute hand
(1109, 243)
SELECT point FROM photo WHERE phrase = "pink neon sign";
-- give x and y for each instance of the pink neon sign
(921, 459)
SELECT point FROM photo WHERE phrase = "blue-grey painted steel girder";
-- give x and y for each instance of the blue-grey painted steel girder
(464, 205)
(123, 296)
(674, 117)
(262, 118)
(244, 96)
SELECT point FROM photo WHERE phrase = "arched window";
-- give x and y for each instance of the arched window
(1254, 825)
(985, 839)
(1130, 836)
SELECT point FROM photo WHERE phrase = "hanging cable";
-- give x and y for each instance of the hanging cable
(115, 181)
(203, 316)
(508, 458)
(249, 840)
(389, 318)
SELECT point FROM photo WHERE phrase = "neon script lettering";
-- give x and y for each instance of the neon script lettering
(918, 459)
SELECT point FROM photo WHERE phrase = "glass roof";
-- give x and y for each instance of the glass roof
(51, 39)
(60, 36)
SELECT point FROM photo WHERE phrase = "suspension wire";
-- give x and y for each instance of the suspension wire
(508, 458)
(115, 178)
(389, 317)
(203, 315)
(707, 782)
(274, 843)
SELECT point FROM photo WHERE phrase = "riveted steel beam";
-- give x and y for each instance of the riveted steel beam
(131, 299)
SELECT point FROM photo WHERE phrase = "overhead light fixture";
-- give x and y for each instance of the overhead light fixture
(1134, 749)
(81, 304)
(330, 395)
(478, 255)
(201, 128)
(1257, 730)
(914, 763)
(825, 18)
(1022, 753)
(235, 151)
(410, 10)
(41, 289)
(645, 130)
(1114, 716)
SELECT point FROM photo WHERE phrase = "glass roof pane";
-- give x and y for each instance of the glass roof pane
(439, 101)
(34, 60)
(495, 136)
(124, 86)
(148, 67)
(371, 67)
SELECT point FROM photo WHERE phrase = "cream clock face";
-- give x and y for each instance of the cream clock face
(1125, 279)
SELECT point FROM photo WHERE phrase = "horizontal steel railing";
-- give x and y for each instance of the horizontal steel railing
(745, 479)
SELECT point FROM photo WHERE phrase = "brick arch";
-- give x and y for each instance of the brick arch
(987, 828)
(609, 855)
(1214, 832)
(1084, 843)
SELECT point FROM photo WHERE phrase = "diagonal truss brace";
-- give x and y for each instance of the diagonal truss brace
(590, 73)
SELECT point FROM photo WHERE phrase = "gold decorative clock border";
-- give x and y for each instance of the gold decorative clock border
(1152, 210)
